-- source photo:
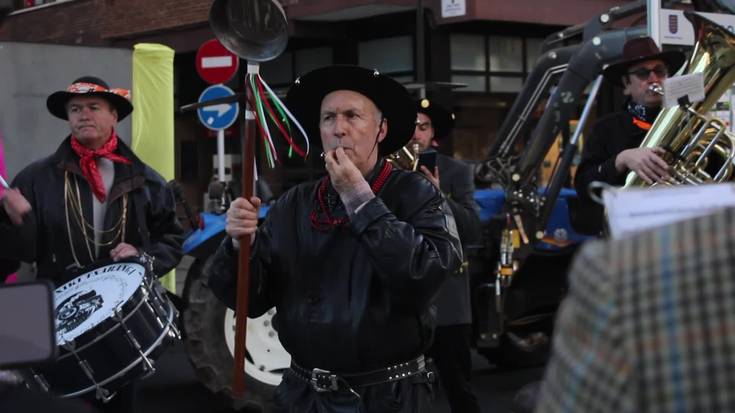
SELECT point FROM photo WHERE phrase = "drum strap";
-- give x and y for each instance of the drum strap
(140, 217)
(138, 203)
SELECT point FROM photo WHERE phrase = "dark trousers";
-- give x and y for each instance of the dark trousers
(451, 354)
(410, 395)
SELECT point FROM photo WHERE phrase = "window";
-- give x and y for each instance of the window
(473, 83)
(392, 55)
(495, 64)
(306, 60)
(533, 51)
(468, 52)
(279, 70)
(506, 54)
(284, 69)
(499, 84)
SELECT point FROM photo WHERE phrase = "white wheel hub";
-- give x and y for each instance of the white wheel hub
(267, 358)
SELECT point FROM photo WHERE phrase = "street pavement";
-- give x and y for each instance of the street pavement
(174, 387)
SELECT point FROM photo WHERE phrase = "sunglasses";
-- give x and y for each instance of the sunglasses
(643, 73)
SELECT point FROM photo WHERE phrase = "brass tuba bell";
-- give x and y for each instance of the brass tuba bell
(406, 158)
(700, 149)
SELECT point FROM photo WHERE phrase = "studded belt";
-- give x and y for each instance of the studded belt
(324, 380)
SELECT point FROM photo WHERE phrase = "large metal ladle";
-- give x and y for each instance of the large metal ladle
(257, 31)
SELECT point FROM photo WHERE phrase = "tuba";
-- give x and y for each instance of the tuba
(406, 158)
(699, 147)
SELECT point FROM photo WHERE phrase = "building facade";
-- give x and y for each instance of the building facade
(471, 55)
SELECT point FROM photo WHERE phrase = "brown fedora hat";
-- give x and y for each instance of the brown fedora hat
(638, 50)
(90, 86)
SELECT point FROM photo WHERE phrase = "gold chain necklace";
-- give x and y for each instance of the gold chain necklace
(76, 205)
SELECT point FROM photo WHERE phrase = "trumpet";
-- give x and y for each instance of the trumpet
(406, 158)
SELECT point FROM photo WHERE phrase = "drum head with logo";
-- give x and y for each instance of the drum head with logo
(86, 301)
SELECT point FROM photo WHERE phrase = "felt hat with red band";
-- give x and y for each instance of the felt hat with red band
(90, 86)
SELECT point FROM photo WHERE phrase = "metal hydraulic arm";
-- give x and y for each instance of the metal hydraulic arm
(526, 210)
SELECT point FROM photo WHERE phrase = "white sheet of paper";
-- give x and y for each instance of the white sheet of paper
(685, 85)
(633, 210)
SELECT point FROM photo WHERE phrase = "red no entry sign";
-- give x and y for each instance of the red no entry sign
(215, 64)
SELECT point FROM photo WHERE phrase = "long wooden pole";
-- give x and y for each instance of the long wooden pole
(243, 277)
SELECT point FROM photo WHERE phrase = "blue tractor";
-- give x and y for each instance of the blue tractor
(209, 326)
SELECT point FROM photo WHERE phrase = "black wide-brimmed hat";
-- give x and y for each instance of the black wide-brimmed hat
(90, 86)
(305, 97)
(442, 120)
(638, 50)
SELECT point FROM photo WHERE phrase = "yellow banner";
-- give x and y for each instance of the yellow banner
(153, 117)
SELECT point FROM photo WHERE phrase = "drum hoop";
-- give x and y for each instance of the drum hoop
(109, 325)
(128, 367)
(125, 306)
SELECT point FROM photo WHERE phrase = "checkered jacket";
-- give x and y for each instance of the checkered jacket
(649, 324)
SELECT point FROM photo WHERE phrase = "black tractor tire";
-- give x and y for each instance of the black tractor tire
(204, 324)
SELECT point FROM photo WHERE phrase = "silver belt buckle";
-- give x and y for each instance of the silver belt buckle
(319, 376)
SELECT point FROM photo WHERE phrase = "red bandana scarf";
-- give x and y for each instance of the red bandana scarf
(88, 163)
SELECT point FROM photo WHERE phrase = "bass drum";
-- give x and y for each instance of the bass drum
(111, 323)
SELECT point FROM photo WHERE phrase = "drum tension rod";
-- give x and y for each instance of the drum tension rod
(148, 366)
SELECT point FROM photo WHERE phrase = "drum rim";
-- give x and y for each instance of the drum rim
(123, 371)
(87, 339)
(147, 281)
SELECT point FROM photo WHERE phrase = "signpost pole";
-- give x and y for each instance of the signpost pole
(218, 116)
(221, 155)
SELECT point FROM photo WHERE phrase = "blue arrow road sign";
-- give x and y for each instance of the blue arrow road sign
(221, 115)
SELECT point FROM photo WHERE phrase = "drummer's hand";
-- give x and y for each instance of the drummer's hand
(123, 250)
(16, 205)
(242, 217)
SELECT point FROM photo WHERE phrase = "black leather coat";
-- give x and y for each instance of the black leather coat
(44, 239)
(457, 183)
(357, 297)
(611, 135)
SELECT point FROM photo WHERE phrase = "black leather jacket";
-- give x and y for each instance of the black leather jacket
(611, 135)
(44, 238)
(357, 297)
(453, 302)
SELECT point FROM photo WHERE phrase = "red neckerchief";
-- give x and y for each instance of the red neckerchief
(87, 161)
(322, 219)
(642, 124)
